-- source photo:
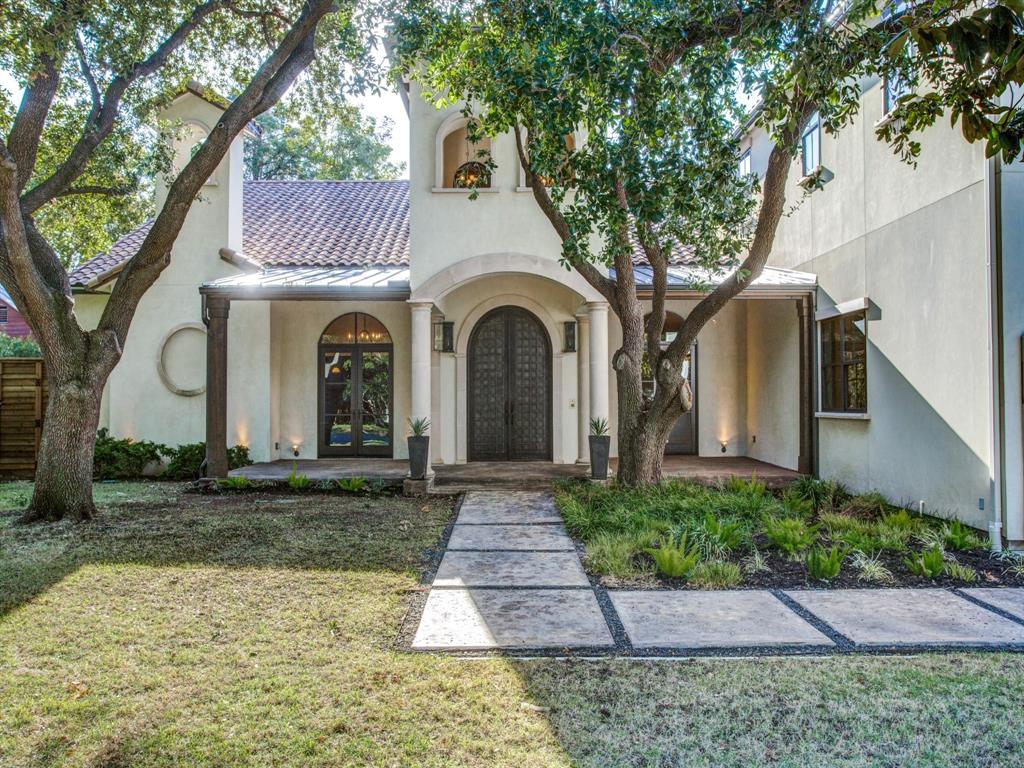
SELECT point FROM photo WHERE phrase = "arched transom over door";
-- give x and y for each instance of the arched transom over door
(509, 388)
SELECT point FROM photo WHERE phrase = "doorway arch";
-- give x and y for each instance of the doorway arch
(355, 403)
(509, 387)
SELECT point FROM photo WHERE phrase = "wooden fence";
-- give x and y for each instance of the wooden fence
(22, 405)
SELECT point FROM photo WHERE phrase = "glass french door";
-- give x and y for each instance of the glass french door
(356, 401)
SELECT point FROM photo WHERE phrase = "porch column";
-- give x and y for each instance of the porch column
(421, 352)
(805, 315)
(217, 385)
(598, 360)
(583, 385)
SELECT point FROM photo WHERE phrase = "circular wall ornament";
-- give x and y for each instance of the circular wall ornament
(178, 332)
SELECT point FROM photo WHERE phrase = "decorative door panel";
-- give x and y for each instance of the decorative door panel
(509, 378)
(488, 385)
(530, 397)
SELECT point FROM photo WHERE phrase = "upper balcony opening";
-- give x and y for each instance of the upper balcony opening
(462, 164)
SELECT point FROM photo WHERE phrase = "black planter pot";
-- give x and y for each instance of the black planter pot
(419, 448)
(599, 445)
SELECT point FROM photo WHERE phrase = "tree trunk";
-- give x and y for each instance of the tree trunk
(63, 483)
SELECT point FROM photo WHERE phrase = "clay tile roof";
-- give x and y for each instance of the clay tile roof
(326, 223)
(300, 223)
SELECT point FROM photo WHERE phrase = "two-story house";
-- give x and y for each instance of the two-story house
(314, 319)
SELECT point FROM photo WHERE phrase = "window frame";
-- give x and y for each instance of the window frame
(813, 128)
(891, 96)
(745, 159)
(843, 366)
(3, 313)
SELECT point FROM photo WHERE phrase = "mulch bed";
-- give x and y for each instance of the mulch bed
(792, 574)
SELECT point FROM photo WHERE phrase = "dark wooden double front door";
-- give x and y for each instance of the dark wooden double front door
(509, 388)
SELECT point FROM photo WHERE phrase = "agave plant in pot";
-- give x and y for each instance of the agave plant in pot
(599, 445)
(419, 447)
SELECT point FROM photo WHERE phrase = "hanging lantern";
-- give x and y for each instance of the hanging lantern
(471, 174)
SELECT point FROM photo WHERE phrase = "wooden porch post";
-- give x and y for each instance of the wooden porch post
(805, 313)
(217, 386)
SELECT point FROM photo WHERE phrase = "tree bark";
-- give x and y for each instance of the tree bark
(63, 484)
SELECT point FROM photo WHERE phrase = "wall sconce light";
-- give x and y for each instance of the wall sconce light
(725, 444)
(295, 449)
(444, 336)
(570, 336)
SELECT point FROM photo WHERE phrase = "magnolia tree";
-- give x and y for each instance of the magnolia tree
(91, 72)
(659, 92)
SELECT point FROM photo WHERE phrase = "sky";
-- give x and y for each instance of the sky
(385, 106)
(388, 105)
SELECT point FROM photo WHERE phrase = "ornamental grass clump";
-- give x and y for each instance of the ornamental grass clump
(869, 567)
(297, 481)
(961, 572)
(715, 574)
(613, 554)
(716, 537)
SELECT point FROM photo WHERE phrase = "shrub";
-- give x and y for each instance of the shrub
(795, 504)
(715, 574)
(959, 537)
(870, 568)
(901, 520)
(865, 541)
(790, 534)
(745, 487)
(352, 484)
(186, 460)
(236, 483)
(675, 560)
(961, 572)
(718, 537)
(868, 506)
(123, 459)
(824, 563)
(296, 481)
(929, 563)
(823, 495)
(12, 346)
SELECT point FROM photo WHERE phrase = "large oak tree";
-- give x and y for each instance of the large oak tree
(92, 71)
(660, 90)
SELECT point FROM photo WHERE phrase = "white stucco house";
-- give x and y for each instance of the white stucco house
(313, 319)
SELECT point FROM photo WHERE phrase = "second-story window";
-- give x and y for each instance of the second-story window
(893, 87)
(810, 145)
(465, 162)
(744, 164)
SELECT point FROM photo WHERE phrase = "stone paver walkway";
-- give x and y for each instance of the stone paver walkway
(511, 579)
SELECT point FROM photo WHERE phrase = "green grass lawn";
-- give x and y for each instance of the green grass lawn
(258, 630)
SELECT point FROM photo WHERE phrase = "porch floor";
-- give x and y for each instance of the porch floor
(531, 474)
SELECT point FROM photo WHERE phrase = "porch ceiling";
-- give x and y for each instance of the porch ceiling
(685, 281)
(314, 283)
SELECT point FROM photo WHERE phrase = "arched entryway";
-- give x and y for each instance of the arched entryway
(683, 438)
(509, 388)
(355, 370)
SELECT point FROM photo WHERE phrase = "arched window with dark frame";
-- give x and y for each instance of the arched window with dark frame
(355, 358)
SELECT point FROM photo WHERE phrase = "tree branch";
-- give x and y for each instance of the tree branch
(96, 189)
(102, 122)
(590, 273)
(772, 206)
(27, 131)
(285, 63)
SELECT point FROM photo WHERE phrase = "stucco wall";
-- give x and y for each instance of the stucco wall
(1011, 236)
(447, 227)
(299, 325)
(773, 382)
(913, 241)
(139, 404)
